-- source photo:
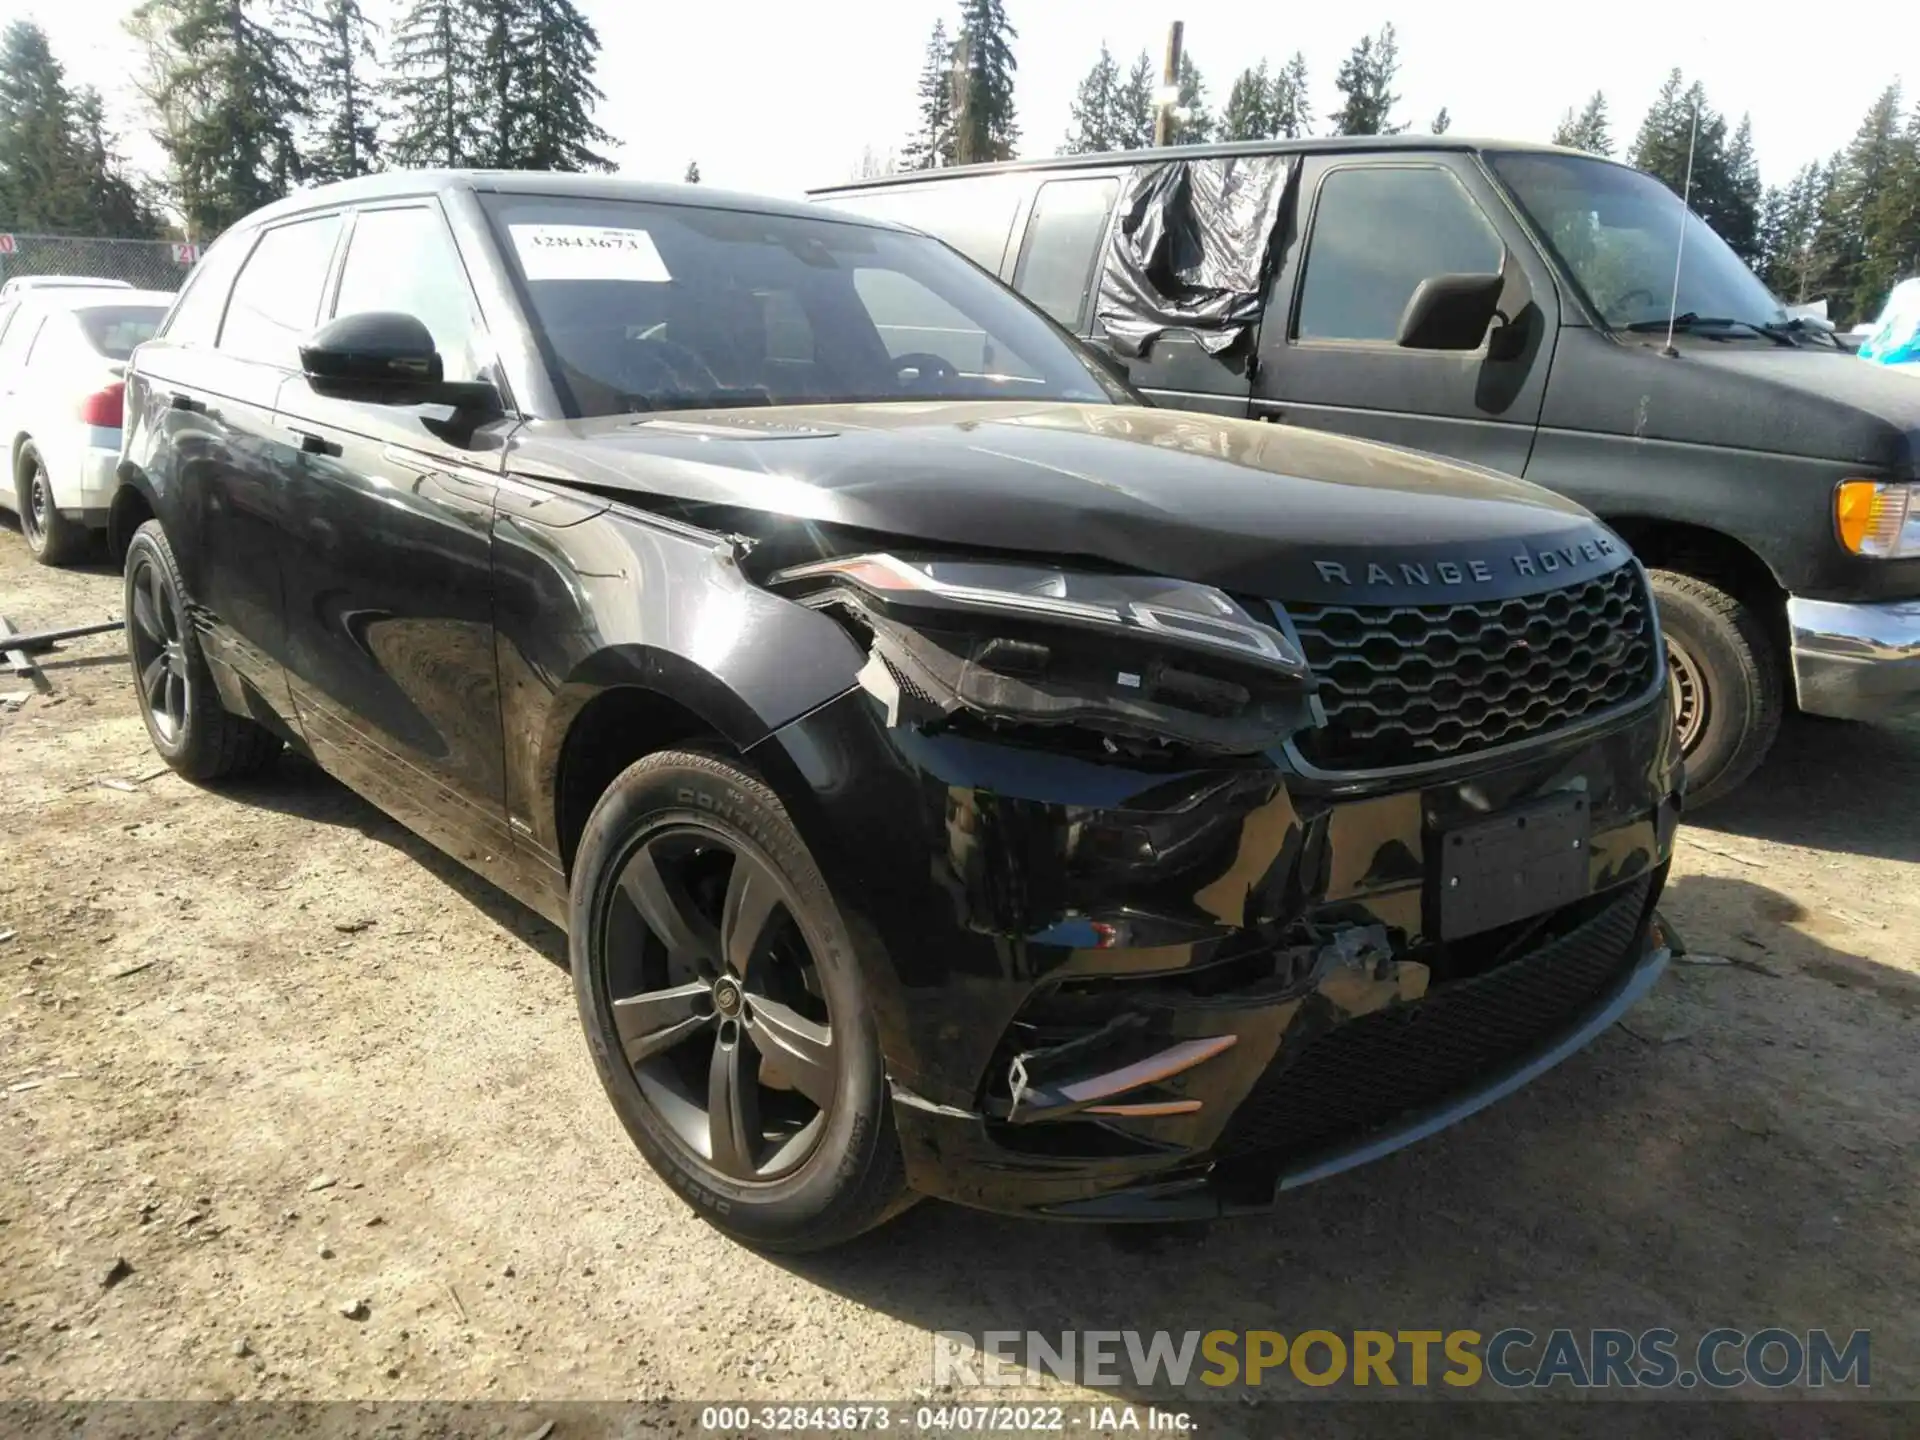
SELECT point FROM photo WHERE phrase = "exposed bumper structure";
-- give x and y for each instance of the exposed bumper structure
(1107, 993)
(1856, 662)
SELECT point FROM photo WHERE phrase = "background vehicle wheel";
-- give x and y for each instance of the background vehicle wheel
(53, 539)
(194, 733)
(1725, 681)
(724, 1007)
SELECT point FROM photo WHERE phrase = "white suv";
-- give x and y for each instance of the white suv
(62, 353)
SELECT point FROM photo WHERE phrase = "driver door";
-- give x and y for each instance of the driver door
(1371, 228)
(388, 559)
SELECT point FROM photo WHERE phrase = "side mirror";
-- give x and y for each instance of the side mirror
(1450, 312)
(385, 358)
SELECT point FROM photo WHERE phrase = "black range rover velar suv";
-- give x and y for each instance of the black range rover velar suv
(954, 778)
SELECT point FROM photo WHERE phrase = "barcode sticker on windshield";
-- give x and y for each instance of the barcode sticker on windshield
(587, 252)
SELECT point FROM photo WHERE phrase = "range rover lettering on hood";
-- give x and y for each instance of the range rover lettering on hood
(1573, 560)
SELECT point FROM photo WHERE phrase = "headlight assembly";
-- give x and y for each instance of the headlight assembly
(1155, 660)
(1878, 519)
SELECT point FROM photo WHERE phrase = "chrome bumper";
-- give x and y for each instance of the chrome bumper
(1856, 662)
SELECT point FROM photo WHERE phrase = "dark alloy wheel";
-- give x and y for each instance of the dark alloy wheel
(155, 635)
(727, 1025)
(726, 1009)
(190, 728)
(53, 539)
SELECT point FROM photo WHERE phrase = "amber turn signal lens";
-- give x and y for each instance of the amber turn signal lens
(1873, 517)
(1853, 508)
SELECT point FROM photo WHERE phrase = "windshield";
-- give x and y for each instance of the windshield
(644, 306)
(1617, 230)
(113, 330)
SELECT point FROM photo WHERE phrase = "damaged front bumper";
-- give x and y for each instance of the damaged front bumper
(1108, 993)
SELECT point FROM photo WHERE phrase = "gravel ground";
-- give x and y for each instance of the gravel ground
(293, 1107)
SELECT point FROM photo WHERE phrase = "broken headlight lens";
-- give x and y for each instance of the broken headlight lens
(1158, 660)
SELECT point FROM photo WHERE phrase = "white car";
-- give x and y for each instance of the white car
(63, 351)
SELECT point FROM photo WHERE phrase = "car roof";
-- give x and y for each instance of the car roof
(1307, 145)
(399, 184)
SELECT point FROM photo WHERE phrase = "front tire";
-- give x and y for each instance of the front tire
(724, 1008)
(192, 731)
(1724, 674)
(53, 539)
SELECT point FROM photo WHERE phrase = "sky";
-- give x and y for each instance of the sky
(778, 95)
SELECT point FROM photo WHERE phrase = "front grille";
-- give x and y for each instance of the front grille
(1364, 1074)
(1412, 684)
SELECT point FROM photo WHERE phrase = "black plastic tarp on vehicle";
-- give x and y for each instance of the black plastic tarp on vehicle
(1191, 250)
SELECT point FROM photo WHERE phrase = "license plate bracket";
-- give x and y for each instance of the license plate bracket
(1521, 862)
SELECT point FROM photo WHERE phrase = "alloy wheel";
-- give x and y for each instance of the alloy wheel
(36, 514)
(1687, 686)
(159, 651)
(718, 1004)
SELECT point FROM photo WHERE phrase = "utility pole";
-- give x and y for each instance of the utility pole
(962, 100)
(1169, 95)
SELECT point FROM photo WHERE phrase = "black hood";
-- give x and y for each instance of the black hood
(1809, 401)
(1254, 508)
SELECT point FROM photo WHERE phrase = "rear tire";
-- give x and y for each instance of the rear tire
(1726, 682)
(192, 731)
(53, 539)
(656, 903)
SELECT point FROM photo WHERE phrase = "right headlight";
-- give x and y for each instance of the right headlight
(1161, 661)
(1878, 518)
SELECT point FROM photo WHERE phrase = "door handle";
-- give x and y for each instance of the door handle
(178, 401)
(312, 442)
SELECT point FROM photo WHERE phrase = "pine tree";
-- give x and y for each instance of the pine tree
(1133, 113)
(1248, 115)
(435, 85)
(984, 129)
(692, 177)
(501, 24)
(931, 146)
(1739, 220)
(113, 204)
(1442, 122)
(1588, 130)
(1790, 218)
(1683, 142)
(1864, 243)
(550, 89)
(1289, 112)
(1366, 79)
(1094, 105)
(1194, 125)
(37, 149)
(346, 138)
(230, 86)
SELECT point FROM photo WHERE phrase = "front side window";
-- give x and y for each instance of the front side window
(642, 306)
(1378, 231)
(276, 301)
(1062, 246)
(404, 260)
(1618, 232)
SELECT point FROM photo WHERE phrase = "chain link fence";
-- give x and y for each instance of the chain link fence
(143, 264)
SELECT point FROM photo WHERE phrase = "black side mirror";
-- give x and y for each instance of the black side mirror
(386, 358)
(1450, 312)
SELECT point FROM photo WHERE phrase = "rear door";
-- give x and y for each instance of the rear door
(388, 565)
(1371, 228)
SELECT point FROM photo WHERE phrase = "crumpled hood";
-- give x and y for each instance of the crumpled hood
(1255, 508)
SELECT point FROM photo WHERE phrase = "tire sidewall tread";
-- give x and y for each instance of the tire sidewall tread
(1731, 643)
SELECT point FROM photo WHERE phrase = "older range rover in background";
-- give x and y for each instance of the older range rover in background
(1768, 479)
(953, 777)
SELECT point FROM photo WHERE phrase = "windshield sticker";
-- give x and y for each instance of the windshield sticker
(587, 252)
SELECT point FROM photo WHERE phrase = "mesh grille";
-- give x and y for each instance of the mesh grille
(1411, 684)
(1367, 1072)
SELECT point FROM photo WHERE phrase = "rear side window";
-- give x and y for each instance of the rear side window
(975, 217)
(404, 260)
(1057, 257)
(276, 300)
(1378, 231)
(113, 330)
(195, 319)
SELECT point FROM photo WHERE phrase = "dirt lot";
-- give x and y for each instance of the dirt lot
(267, 1062)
